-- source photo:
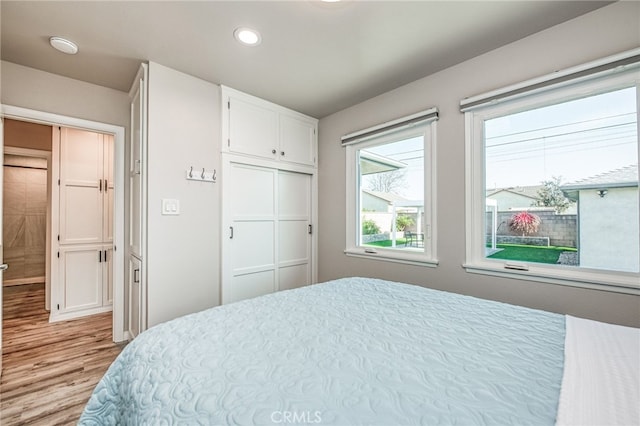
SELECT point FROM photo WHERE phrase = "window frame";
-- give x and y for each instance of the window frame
(427, 257)
(476, 262)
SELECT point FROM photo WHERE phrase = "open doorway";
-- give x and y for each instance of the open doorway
(116, 256)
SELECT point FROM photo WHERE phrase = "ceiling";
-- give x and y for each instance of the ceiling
(315, 57)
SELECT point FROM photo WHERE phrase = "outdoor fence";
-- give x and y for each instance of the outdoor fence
(560, 229)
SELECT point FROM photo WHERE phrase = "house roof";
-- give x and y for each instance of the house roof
(618, 178)
(386, 196)
(525, 191)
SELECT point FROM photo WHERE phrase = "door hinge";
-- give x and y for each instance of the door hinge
(228, 142)
(58, 182)
(310, 229)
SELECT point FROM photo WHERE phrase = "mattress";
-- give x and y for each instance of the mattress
(349, 351)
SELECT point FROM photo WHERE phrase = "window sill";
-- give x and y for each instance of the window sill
(626, 283)
(418, 259)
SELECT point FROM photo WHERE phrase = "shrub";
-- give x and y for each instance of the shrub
(369, 226)
(524, 223)
(402, 221)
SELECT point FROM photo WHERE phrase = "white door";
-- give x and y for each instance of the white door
(107, 188)
(135, 295)
(81, 186)
(250, 237)
(297, 140)
(294, 230)
(135, 174)
(81, 272)
(260, 137)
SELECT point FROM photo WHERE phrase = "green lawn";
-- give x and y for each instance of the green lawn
(386, 243)
(530, 253)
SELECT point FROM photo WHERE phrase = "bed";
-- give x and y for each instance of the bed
(368, 351)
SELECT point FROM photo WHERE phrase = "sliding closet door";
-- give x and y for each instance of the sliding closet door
(294, 230)
(250, 265)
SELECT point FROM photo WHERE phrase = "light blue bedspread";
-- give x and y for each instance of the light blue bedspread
(350, 351)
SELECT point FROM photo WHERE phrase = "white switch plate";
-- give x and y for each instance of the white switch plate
(170, 206)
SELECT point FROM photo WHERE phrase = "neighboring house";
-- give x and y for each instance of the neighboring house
(514, 197)
(376, 201)
(608, 202)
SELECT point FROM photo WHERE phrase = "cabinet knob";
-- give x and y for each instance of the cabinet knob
(281, 152)
(273, 151)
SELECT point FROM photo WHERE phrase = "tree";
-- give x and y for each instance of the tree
(550, 195)
(402, 221)
(393, 181)
(525, 223)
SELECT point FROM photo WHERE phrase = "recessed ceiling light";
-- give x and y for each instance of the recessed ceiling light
(64, 45)
(247, 36)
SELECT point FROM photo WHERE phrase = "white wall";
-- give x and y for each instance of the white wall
(607, 238)
(42, 91)
(182, 251)
(606, 31)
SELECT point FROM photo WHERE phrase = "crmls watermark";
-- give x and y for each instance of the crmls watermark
(296, 417)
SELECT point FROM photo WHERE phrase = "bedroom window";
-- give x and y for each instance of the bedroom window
(552, 178)
(390, 190)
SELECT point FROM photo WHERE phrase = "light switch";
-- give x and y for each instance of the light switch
(170, 206)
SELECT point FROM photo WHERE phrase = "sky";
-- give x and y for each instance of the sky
(573, 140)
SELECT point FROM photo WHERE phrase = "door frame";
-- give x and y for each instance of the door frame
(118, 132)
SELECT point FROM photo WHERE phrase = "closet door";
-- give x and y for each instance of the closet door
(135, 172)
(135, 296)
(81, 272)
(107, 275)
(108, 188)
(250, 263)
(81, 192)
(294, 230)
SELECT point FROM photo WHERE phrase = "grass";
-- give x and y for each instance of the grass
(386, 243)
(530, 253)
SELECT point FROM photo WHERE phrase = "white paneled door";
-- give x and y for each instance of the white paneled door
(250, 237)
(267, 240)
(294, 230)
(85, 247)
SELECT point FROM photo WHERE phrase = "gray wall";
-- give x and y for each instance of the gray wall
(601, 33)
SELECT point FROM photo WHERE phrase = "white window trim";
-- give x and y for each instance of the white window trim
(427, 257)
(476, 262)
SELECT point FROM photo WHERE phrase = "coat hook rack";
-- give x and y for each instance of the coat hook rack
(203, 176)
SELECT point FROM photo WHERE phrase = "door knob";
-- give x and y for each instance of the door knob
(4, 267)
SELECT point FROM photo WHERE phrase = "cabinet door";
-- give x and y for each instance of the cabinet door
(249, 249)
(135, 172)
(81, 192)
(108, 188)
(253, 129)
(81, 272)
(107, 275)
(297, 140)
(294, 237)
(135, 296)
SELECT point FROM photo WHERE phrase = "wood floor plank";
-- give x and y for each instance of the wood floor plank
(49, 370)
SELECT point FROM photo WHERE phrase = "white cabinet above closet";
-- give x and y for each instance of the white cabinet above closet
(275, 132)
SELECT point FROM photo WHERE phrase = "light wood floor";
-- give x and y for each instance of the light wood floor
(49, 370)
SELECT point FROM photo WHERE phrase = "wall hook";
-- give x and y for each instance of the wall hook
(191, 172)
(213, 175)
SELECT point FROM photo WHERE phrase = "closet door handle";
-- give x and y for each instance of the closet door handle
(105, 255)
(231, 232)
(136, 278)
(100, 185)
(99, 256)
(105, 185)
